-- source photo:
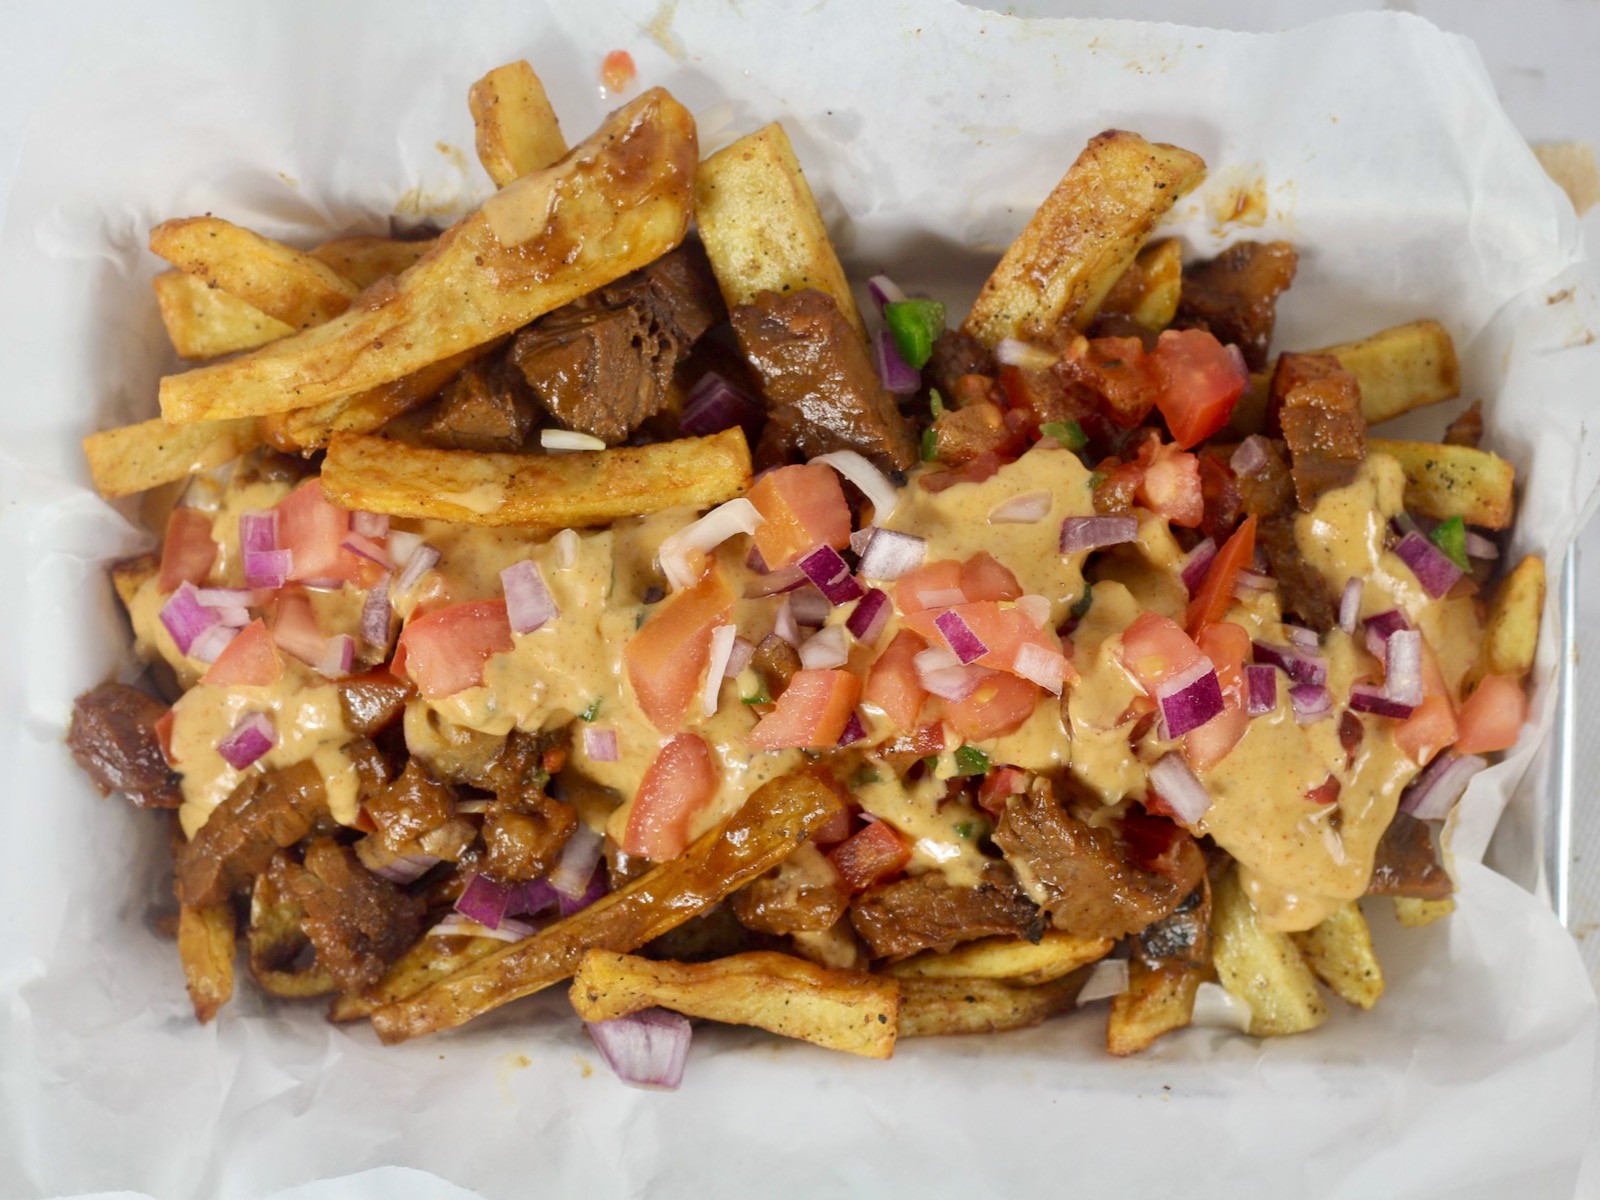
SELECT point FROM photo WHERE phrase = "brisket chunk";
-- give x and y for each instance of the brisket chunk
(1407, 863)
(956, 354)
(357, 923)
(264, 814)
(924, 912)
(113, 738)
(1235, 296)
(1317, 404)
(802, 894)
(488, 407)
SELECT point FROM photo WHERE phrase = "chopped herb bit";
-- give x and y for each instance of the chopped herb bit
(914, 324)
(930, 444)
(760, 697)
(964, 830)
(1096, 478)
(592, 711)
(971, 761)
(1450, 535)
(1069, 433)
(1080, 606)
(863, 776)
(936, 402)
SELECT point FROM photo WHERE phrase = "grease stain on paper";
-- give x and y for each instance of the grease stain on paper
(506, 1066)
(660, 31)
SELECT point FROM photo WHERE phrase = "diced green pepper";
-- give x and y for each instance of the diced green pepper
(1450, 535)
(936, 402)
(1080, 606)
(930, 444)
(914, 324)
(1069, 433)
(971, 761)
(592, 711)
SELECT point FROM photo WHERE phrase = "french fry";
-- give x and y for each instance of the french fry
(206, 322)
(135, 458)
(1261, 967)
(129, 575)
(516, 129)
(279, 280)
(1158, 1000)
(1511, 630)
(1015, 960)
(850, 1011)
(534, 491)
(617, 202)
(761, 226)
(431, 959)
(1414, 913)
(950, 1007)
(1149, 290)
(275, 942)
(364, 259)
(306, 429)
(1339, 951)
(206, 943)
(1449, 481)
(761, 834)
(1082, 237)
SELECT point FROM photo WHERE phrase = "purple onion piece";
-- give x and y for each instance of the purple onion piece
(268, 568)
(1262, 684)
(252, 737)
(574, 869)
(898, 376)
(1079, 534)
(1431, 565)
(1300, 665)
(1178, 787)
(600, 744)
(592, 891)
(1251, 456)
(484, 901)
(889, 554)
(1312, 702)
(869, 617)
(258, 531)
(1190, 699)
(1435, 792)
(529, 605)
(968, 647)
(854, 731)
(647, 1049)
(186, 618)
(826, 568)
(1350, 605)
(1198, 564)
(714, 404)
(1370, 698)
(375, 614)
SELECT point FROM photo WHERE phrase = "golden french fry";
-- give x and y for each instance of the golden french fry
(1158, 1000)
(135, 458)
(206, 322)
(364, 259)
(517, 130)
(761, 834)
(761, 227)
(617, 202)
(534, 491)
(206, 943)
(850, 1011)
(1340, 952)
(129, 575)
(1082, 237)
(279, 280)
(1015, 960)
(1401, 368)
(949, 1007)
(1261, 967)
(432, 958)
(306, 429)
(1511, 630)
(1149, 290)
(1453, 481)
(1414, 913)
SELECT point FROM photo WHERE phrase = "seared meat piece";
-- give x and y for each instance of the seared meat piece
(1317, 404)
(715, 933)
(415, 814)
(372, 701)
(1182, 938)
(603, 364)
(823, 393)
(524, 829)
(488, 407)
(1467, 429)
(777, 661)
(1235, 296)
(1267, 491)
(113, 738)
(1302, 591)
(1407, 864)
(264, 814)
(1089, 880)
(802, 894)
(357, 923)
(923, 912)
(956, 354)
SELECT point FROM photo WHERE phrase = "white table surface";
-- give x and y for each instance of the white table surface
(1541, 56)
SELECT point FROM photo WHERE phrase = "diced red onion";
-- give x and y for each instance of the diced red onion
(739, 657)
(231, 598)
(680, 553)
(595, 888)
(566, 544)
(1312, 702)
(941, 597)
(459, 925)
(889, 554)
(1249, 583)
(406, 868)
(1013, 352)
(1479, 546)
(1350, 604)
(1079, 534)
(258, 531)
(268, 568)
(885, 291)
(370, 524)
(338, 656)
(575, 867)
(858, 540)
(825, 649)
(234, 618)
(1435, 792)
(252, 737)
(1301, 665)
(402, 545)
(897, 375)
(785, 626)
(647, 1049)
(722, 639)
(1035, 608)
(810, 607)
(418, 563)
(1251, 455)
(1402, 667)
(484, 901)
(1300, 636)
(375, 622)
(531, 898)
(934, 658)
(1041, 666)
(870, 482)
(208, 647)
(826, 568)
(1385, 623)
(1027, 509)
(529, 604)
(1108, 979)
(855, 730)
(1371, 698)
(1179, 789)
(1189, 699)
(968, 646)
(367, 548)
(600, 744)
(1261, 682)
(942, 674)
(1236, 357)
(869, 617)
(1198, 564)
(186, 618)
(1431, 565)
(1218, 1008)
(784, 579)
(713, 405)
(562, 441)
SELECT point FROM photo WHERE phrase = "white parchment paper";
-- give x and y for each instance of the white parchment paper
(929, 132)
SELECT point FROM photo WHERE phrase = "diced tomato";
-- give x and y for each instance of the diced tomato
(999, 784)
(164, 735)
(932, 585)
(1214, 596)
(998, 706)
(294, 626)
(1154, 649)
(963, 434)
(250, 660)
(446, 651)
(678, 784)
(870, 855)
(1493, 716)
(983, 577)
(892, 683)
(836, 828)
(1432, 725)
(667, 658)
(1118, 489)
(188, 551)
(981, 468)
(1170, 485)
(314, 529)
(1228, 647)
(811, 713)
(1117, 371)
(1153, 843)
(922, 742)
(1004, 631)
(1326, 792)
(977, 389)
(804, 507)
(1200, 382)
